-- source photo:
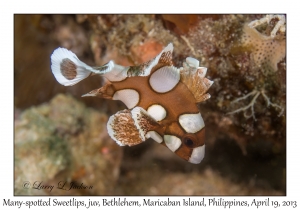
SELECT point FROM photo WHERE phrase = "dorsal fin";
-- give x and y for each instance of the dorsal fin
(162, 59)
(194, 78)
(117, 72)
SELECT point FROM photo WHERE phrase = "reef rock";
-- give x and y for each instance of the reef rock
(65, 145)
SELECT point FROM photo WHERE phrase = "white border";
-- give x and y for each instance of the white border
(8, 8)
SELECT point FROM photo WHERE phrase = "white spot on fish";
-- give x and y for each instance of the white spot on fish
(197, 155)
(128, 96)
(155, 136)
(191, 123)
(164, 79)
(157, 112)
(172, 142)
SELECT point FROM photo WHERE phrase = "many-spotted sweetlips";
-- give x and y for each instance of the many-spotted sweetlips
(161, 99)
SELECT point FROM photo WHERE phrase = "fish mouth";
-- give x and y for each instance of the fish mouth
(197, 155)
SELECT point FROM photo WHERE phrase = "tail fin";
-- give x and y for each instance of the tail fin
(67, 68)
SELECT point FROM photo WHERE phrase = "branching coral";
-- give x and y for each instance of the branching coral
(253, 101)
(267, 48)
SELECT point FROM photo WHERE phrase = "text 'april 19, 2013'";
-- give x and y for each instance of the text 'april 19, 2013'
(103, 202)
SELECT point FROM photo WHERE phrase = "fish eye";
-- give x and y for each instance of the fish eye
(189, 140)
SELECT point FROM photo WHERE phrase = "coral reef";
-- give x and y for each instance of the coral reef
(39, 153)
(266, 51)
(251, 104)
(142, 32)
(64, 141)
(280, 25)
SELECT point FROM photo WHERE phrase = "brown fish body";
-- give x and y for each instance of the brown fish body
(161, 100)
